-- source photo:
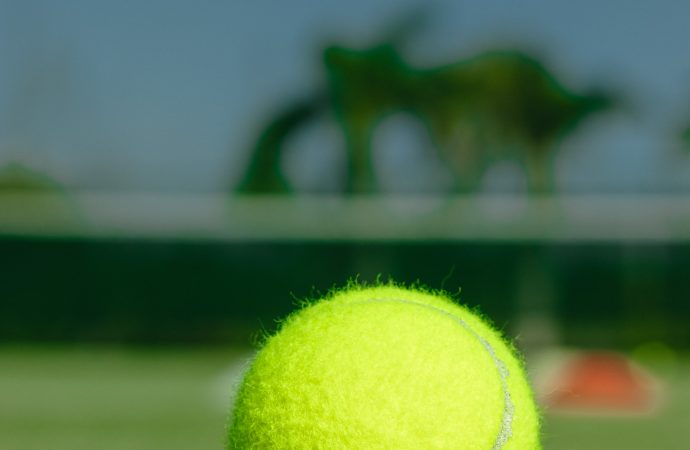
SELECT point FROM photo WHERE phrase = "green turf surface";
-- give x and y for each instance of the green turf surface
(148, 399)
(114, 399)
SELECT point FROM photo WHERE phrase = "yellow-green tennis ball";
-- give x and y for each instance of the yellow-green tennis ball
(385, 368)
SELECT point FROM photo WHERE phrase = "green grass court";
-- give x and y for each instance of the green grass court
(147, 399)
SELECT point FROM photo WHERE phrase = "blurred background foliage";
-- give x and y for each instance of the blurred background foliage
(499, 105)
(134, 135)
(374, 117)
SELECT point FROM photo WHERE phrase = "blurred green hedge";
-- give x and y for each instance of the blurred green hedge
(185, 292)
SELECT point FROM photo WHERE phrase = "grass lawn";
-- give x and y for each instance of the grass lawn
(147, 399)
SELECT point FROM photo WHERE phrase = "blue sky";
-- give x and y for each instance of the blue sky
(168, 95)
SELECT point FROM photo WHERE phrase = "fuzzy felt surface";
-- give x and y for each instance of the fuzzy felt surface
(385, 368)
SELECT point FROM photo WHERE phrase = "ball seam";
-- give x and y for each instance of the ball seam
(506, 430)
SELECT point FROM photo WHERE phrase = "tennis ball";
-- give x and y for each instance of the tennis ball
(385, 367)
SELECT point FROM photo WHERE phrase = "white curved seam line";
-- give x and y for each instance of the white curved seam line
(506, 430)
